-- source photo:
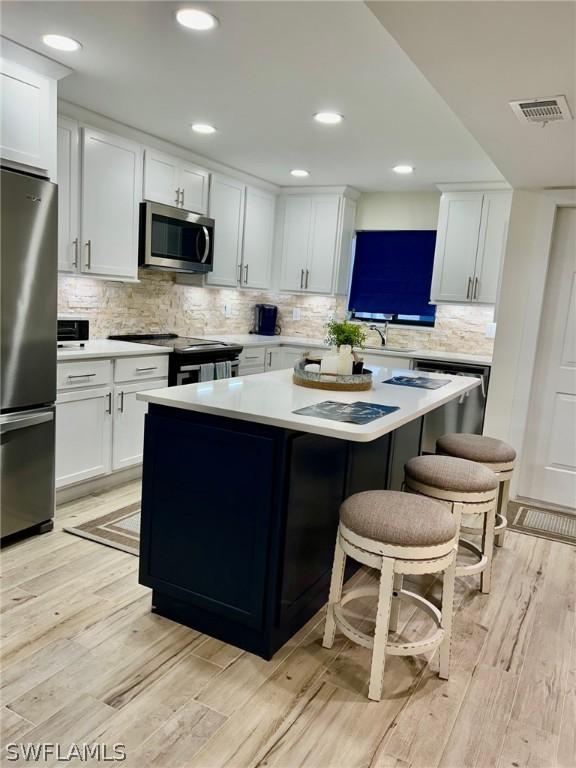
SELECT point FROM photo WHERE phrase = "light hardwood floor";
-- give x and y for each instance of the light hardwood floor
(84, 661)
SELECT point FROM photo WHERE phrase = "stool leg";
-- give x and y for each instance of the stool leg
(503, 497)
(336, 583)
(488, 548)
(395, 608)
(447, 616)
(381, 631)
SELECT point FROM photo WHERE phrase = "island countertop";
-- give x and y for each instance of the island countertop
(271, 398)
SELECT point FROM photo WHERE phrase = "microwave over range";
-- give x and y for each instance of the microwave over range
(176, 240)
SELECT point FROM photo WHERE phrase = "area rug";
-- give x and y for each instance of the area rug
(546, 523)
(119, 529)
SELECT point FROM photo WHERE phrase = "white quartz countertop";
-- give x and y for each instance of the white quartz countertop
(108, 348)
(254, 340)
(270, 398)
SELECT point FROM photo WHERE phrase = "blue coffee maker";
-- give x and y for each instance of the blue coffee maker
(265, 320)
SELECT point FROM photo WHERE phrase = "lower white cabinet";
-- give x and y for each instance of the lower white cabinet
(274, 359)
(387, 361)
(128, 431)
(83, 435)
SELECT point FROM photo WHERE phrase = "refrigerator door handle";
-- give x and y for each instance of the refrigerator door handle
(10, 424)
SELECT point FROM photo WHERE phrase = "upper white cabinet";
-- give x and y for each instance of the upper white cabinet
(172, 181)
(315, 242)
(227, 210)
(28, 122)
(259, 210)
(244, 231)
(111, 183)
(470, 244)
(100, 178)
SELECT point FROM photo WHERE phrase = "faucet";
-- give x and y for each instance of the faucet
(383, 334)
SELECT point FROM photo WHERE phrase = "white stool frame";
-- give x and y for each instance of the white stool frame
(472, 502)
(393, 562)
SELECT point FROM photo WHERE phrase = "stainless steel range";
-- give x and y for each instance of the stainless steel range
(192, 360)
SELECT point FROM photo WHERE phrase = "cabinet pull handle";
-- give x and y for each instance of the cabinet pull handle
(76, 244)
(182, 197)
(109, 399)
(307, 278)
(150, 368)
(469, 286)
(301, 278)
(88, 254)
(245, 274)
(80, 375)
(239, 278)
(476, 283)
(121, 409)
(269, 358)
(177, 201)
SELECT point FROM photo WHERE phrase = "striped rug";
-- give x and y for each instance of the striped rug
(546, 523)
(119, 529)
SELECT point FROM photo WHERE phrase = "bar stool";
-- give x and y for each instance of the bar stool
(397, 533)
(470, 488)
(493, 454)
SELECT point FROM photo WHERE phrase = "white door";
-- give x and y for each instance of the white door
(161, 178)
(227, 210)
(456, 246)
(83, 435)
(68, 195)
(193, 183)
(291, 356)
(549, 465)
(491, 245)
(297, 215)
(258, 238)
(322, 248)
(274, 358)
(129, 413)
(111, 184)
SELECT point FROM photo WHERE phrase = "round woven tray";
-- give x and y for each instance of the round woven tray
(353, 383)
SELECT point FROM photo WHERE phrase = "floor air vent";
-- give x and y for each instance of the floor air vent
(542, 111)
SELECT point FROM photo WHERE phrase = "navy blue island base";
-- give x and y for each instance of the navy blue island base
(239, 519)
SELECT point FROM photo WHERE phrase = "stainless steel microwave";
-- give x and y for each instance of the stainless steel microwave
(176, 240)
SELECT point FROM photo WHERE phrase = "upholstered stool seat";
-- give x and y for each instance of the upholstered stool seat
(495, 455)
(469, 488)
(399, 534)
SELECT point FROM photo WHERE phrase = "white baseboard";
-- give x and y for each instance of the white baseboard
(97, 485)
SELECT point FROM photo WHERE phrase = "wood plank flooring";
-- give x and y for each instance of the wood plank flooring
(85, 662)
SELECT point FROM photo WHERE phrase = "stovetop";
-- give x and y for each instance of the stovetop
(178, 344)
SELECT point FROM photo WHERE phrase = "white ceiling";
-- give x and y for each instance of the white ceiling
(259, 77)
(481, 55)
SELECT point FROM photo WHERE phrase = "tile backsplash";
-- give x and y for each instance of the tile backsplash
(157, 303)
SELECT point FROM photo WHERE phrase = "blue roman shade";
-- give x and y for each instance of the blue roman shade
(393, 272)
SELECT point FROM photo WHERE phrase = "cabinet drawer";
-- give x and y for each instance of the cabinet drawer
(252, 357)
(84, 373)
(145, 367)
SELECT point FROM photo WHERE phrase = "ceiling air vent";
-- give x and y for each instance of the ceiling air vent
(542, 111)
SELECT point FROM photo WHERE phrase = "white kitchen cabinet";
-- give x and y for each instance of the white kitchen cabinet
(291, 356)
(469, 246)
(68, 155)
(111, 184)
(83, 435)
(172, 181)
(387, 361)
(274, 359)
(258, 238)
(315, 239)
(128, 430)
(227, 210)
(28, 118)
(252, 360)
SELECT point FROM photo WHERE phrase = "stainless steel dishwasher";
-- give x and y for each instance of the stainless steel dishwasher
(463, 415)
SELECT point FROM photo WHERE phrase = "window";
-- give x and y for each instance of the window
(392, 276)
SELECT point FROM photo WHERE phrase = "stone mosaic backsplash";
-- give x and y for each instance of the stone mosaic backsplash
(157, 303)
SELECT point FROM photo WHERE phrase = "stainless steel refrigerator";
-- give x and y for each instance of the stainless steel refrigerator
(28, 298)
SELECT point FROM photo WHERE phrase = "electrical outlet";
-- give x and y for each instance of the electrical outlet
(490, 330)
(227, 311)
(296, 313)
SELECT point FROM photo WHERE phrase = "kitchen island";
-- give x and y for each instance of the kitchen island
(241, 494)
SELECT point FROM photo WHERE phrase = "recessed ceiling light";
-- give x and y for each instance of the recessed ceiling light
(194, 18)
(403, 169)
(300, 172)
(203, 128)
(61, 42)
(329, 118)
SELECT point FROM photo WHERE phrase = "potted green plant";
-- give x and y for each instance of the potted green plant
(339, 333)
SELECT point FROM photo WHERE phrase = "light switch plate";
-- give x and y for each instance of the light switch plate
(490, 330)
(296, 313)
(227, 311)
